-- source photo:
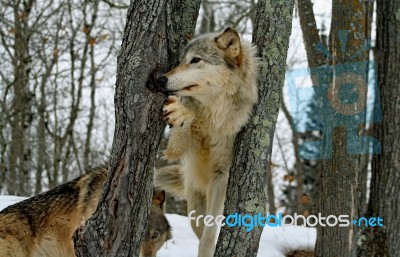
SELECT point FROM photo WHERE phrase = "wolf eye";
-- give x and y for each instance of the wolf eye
(195, 60)
(155, 235)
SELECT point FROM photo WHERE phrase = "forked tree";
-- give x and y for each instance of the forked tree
(154, 35)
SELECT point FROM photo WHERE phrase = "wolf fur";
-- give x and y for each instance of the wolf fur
(212, 93)
(158, 230)
(43, 225)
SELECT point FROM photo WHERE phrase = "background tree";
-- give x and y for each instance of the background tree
(150, 47)
(384, 197)
(246, 193)
(54, 54)
(21, 118)
(339, 186)
(217, 15)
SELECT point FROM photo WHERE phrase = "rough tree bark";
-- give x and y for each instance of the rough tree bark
(153, 37)
(339, 187)
(384, 197)
(246, 193)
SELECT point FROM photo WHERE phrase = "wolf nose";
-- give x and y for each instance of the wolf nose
(161, 82)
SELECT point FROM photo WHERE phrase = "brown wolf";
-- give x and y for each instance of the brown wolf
(43, 225)
(212, 93)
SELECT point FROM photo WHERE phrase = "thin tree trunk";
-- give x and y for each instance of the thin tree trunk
(310, 34)
(89, 126)
(384, 198)
(246, 193)
(301, 206)
(207, 23)
(42, 147)
(315, 59)
(153, 37)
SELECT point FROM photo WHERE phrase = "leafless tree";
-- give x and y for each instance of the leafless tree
(54, 55)
(150, 47)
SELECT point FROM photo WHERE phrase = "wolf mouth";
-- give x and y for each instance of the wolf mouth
(190, 87)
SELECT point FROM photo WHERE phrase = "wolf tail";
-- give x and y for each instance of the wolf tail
(91, 186)
(170, 179)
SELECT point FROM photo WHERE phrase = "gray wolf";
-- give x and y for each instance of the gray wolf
(211, 95)
(158, 229)
(43, 225)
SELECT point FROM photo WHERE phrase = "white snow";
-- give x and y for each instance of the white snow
(6, 200)
(275, 242)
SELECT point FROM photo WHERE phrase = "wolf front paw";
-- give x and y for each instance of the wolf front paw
(176, 114)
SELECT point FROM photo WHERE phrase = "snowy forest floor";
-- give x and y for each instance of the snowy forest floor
(275, 241)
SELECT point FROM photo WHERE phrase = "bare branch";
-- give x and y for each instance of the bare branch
(116, 5)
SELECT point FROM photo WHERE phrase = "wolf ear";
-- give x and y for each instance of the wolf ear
(158, 198)
(229, 41)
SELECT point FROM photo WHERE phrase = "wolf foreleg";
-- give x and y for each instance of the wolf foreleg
(215, 206)
(196, 202)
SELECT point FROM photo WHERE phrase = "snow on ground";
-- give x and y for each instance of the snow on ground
(275, 242)
(6, 200)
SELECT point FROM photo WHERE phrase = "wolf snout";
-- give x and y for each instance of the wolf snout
(161, 84)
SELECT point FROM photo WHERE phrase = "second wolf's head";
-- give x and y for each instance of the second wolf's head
(211, 65)
(158, 230)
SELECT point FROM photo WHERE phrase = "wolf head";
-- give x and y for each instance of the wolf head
(210, 65)
(158, 230)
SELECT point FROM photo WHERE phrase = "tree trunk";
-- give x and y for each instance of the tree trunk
(310, 33)
(246, 193)
(20, 156)
(365, 159)
(153, 37)
(339, 188)
(315, 59)
(384, 197)
(207, 23)
(89, 127)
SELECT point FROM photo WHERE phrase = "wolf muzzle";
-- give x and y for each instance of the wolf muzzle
(161, 84)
